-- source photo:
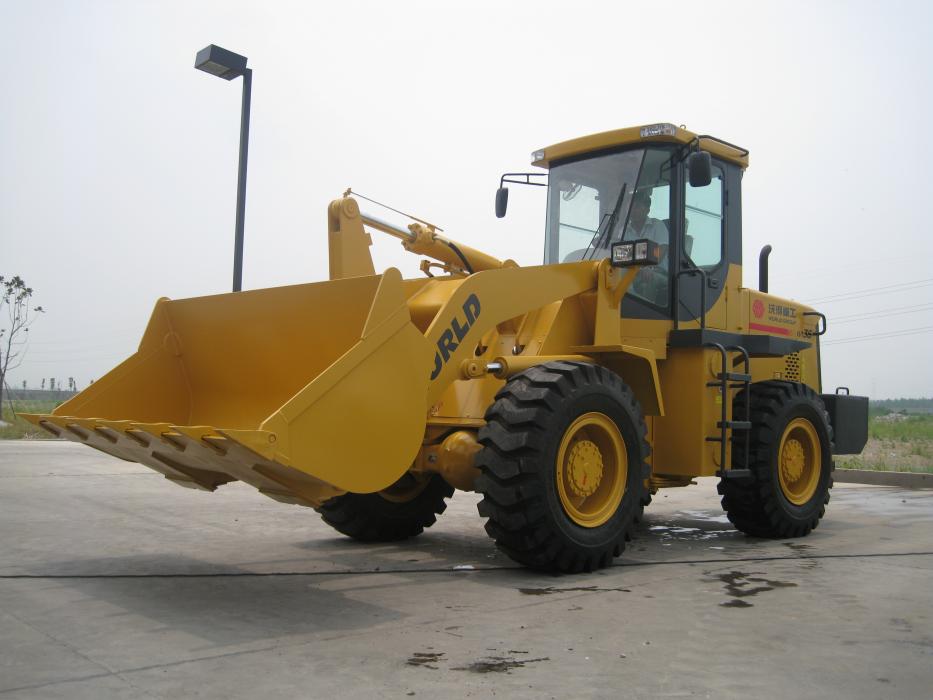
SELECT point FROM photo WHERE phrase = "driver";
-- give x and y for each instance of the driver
(640, 225)
(651, 282)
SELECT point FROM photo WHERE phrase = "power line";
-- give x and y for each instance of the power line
(836, 319)
(70, 352)
(882, 314)
(113, 357)
(88, 339)
(901, 287)
(809, 271)
(893, 334)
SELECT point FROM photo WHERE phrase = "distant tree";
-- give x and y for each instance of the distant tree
(24, 385)
(15, 296)
(52, 384)
(43, 383)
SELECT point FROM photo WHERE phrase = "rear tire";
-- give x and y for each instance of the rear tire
(790, 457)
(401, 511)
(563, 467)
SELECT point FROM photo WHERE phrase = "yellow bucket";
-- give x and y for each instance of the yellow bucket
(303, 391)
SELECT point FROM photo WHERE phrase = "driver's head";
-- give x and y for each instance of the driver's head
(641, 204)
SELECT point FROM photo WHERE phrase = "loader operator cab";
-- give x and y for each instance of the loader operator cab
(643, 192)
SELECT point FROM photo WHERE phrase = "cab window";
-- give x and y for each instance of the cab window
(650, 218)
(579, 218)
(704, 222)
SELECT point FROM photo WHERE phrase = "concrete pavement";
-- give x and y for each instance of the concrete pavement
(115, 583)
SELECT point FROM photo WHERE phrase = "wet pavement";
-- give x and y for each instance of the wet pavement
(117, 584)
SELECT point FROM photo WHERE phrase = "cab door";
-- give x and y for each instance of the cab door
(703, 264)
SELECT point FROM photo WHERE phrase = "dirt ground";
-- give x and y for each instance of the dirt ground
(892, 455)
(115, 584)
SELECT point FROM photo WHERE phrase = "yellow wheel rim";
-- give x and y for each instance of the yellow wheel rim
(799, 461)
(405, 490)
(592, 469)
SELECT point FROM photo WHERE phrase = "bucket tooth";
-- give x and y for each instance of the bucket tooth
(78, 431)
(50, 427)
(145, 443)
(196, 456)
(275, 480)
(291, 481)
(107, 433)
(74, 429)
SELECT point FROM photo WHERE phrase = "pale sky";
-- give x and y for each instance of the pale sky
(118, 158)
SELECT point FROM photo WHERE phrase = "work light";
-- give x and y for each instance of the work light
(640, 252)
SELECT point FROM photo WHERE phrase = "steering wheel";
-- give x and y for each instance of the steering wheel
(571, 193)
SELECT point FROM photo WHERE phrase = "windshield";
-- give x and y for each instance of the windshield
(588, 204)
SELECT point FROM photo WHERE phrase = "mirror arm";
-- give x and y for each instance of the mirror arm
(502, 194)
(527, 179)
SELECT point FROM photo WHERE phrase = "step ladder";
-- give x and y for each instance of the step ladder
(727, 381)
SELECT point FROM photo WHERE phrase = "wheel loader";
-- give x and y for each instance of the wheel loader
(633, 359)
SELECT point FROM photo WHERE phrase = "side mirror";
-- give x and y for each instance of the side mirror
(700, 169)
(502, 201)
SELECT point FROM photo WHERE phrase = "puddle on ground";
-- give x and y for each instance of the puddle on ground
(689, 534)
(498, 664)
(705, 515)
(901, 624)
(741, 585)
(798, 546)
(426, 659)
(587, 589)
(736, 603)
(674, 530)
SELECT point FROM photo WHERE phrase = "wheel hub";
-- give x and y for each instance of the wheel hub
(793, 460)
(586, 468)
(592, 469)
(799, 462)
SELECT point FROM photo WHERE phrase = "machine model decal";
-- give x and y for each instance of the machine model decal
(453, 335)
(786, 316)
(769, 329)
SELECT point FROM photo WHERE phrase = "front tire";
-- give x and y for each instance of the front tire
(790, 458)
(563, 467)
(401, 511)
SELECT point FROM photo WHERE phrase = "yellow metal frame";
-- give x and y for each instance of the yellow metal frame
(311, 391)
(633, 136)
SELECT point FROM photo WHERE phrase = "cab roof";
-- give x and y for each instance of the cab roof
(649, 133)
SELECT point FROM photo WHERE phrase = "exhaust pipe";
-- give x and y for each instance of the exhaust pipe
(763, 269)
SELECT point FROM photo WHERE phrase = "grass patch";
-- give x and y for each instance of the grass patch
(892, 464)
(903, 428)
(21, 429)
(896, 443)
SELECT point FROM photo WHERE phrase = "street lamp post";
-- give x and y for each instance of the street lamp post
(228, 65)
